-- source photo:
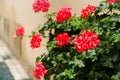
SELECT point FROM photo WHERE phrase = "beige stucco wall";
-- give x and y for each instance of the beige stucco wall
(20, 11)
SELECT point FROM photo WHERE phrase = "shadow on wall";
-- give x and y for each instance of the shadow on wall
(2, 6)
(7, 27)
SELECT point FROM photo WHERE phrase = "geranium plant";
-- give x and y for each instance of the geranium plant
(85, 47)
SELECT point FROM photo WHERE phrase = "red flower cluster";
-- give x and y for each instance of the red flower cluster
(63, 14)
(112, 1)
(86, 41)
(63, 39)
(41, 5)
(40, 71)
(35, 41)
(19, 32)
(88, 11)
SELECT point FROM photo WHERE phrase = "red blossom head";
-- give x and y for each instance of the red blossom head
(88, 11)
(91, 9)
(19, 32)
(84, 13)
(63, 14)
(63, 39)
(41, 5)
(112, 1)
(86, 41)
(35, 41)
(39, 70)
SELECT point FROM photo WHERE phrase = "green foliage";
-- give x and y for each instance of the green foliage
(102, 63)
(116, 77)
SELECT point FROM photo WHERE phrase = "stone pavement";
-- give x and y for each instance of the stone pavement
(10, 69)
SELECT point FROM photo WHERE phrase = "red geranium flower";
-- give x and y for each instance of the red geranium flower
(63, 39)
(91, 9)
(86, 41)
(35, 41)
(63, 14)
(88, 11)
(84, 13)
(41, 5)
(112, 1)
(19, 32)
(39, 71)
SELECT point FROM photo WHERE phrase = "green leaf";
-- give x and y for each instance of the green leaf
(69, 73)
(105, 19)
(37, 59)
(103, 5)
(116, 77)
(116, 37)
(98, 31)
(77, 62)
(50, 15)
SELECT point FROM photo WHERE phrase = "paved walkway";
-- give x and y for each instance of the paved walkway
(10, 69)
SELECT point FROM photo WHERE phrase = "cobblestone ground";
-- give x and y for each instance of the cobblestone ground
(10, 69)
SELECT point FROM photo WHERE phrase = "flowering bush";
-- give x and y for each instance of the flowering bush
(85, 47)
